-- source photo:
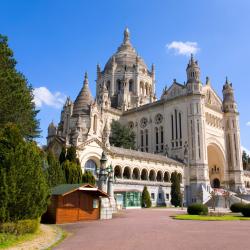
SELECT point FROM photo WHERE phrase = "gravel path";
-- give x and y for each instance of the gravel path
(48, 236)
(149, 229)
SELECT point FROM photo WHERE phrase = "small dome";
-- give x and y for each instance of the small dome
(83, 100)
(125, 55)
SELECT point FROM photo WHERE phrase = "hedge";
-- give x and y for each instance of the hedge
(197, 209)
(237, 207)
(246, 210)
(20, 227)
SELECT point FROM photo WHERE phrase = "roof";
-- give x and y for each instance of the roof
(83, 100)
(147, 156)
(126, 190)
(125, 55)
(64, 189)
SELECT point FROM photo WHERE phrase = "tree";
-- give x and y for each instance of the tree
(175, 189)
(145, 198)
(62, 157)
(71, 155)
(89, 178)
(73, 172)
(23, 179)
(245, 159)
(16, 95)
(122, 136)
(55, 173)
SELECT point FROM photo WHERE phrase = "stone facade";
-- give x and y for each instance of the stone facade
(190, 129)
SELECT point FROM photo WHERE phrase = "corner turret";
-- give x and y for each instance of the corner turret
(193, 76)
(229, 104)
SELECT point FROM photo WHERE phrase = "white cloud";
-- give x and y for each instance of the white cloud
(183, 48)
(245, 149)
(42, 96)
(248, 124)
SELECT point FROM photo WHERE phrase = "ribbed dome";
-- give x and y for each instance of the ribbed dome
(83, 100)
(126, 55)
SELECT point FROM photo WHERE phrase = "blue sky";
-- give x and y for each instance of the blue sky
(56, 41)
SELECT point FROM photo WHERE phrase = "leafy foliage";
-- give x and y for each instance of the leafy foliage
(237, 207)
(175, 189)
(20, 227)
(73, 172)
(25, 187)
(62, 157)
(122, 136)
(71, 154)
(145, 199)
(89, 178)
(16, 96)
(245, 210)
(55, 173)
(197, 209)
(245, 160)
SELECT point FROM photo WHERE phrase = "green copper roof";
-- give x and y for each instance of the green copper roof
(65, 188)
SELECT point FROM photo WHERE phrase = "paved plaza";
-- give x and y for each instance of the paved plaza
(155, 229)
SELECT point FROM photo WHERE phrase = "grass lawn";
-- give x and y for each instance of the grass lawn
(210, 218)
(7, 240)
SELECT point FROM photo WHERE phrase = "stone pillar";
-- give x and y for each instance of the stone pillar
(102, 182)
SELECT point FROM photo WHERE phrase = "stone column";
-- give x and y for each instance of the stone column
(102, 182)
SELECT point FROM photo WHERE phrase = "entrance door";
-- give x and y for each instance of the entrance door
(216, 183)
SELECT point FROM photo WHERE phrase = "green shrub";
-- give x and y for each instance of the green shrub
(20, 227)
(245, 210)
(197, 209)
(145, 198)
(237, 207)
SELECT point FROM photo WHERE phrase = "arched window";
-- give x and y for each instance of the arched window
(156, 139)
(166, 177)
(108, 85)
(95, 123)
(152, 175)
(119, 85)
(162, 138)
(136, 174)
(130, 85)
(146, 88)
(90, 166)
(159, 176)
(142, 88)
(118, 172)
(142, 141)
(146, 134)
(144, 174)
(126, 173)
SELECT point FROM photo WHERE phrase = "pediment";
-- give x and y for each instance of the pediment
(174, 90)
(94, 142)
(212, 100)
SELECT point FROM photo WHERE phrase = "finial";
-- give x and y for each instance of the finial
(227, 81)
(86, 81)
(207, 81)
(126, 36)
(153, 67)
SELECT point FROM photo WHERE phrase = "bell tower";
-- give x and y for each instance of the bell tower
(193, 76)
(232, 138)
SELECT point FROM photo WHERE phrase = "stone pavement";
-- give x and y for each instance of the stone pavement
(155, 229)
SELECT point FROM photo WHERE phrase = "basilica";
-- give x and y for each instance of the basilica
(189, 130)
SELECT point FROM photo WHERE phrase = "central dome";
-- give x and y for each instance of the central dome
(125, 56)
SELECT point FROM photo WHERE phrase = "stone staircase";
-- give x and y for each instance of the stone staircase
(223, 201)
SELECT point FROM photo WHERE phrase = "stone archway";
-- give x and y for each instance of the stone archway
(216, 166)
(216, 183)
